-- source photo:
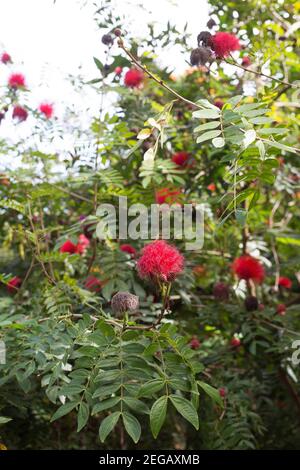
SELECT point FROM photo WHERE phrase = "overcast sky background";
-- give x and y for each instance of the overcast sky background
(49, 40)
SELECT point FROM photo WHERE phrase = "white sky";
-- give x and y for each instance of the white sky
(48, 41)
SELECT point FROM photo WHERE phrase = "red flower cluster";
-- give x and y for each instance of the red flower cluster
(118, 70)
(14, 284)
(20, 113)
(235, 342)
(246, 61)
(79, 248)
(246, 267)
(161, 261)
(180, 158)
(126, 248)
(219, 104)
(224, 43)
(222, 392)
(281, 309)
(211, 187)
(285, 282)
(5, 58)
(46, 109)
(16, 80)
(194, 343)
(133, 78)
(167, 195)
(93, 283)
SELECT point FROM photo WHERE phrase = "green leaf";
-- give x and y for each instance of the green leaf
(212, 392)
(218, 142)
(186, 409)
(241, 216)
(132, 426)
(158, 415)
(108, 424)
(64, 410)
(280, 146)
(207, 125)
(208, 135)
(83, 415)
(99, 64)
(151, 387)
(105, 405)
(4, 420)
(137, 405)
(207, 114)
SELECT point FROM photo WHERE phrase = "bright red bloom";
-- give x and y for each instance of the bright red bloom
(167, 195)
(5, 58)
(160, 260)
(20, 113)
(83, 244)
(246, 267)
(224, 43)
(68, 247)
(281, 309)
(285, 282)
(14, 284)
(180, 158)
(222, 392)
(46, 109)
(93, 283)
(118, 70)
(194, 343)
(16, 80)
(235, 342)
(211, 187)
(246, 61)
(219, 104)
(133, 78)
(128, 249)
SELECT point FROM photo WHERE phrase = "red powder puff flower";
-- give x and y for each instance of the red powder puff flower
(93, 283)
(222, 392)
(68, 247)
(167, 195)
(5, 58)
(194, 343)
(128, 249)
(83, 244)
(133, 78)
(285, 282)
(246, 61)
(161, 261)
(46, 109)
(16, 80)
(224, 43)
(246, 267)
(20, 113)
(118, 70)
(219, 104)
(211, 187)
(281, 309)
(180, 158)
(14, 284)
(235, 342)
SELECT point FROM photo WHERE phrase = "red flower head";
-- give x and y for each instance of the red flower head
(83, 244)
(211, 187)
(246, 267)
(167, 195)
(93, 283)
(128, 249)
(46, 109)
(16, 80)
(180, 158)
(68, 247)
(224, 43)
(161, 261)
(281, 309)
(194, 343)
(5, 58)
(118, 70)
(285, 282)
(14, 284)
(133, 78)
(246, 61)
(219, 104)
(20, 113)
(222, 392)
(235, 342)
(221, 291)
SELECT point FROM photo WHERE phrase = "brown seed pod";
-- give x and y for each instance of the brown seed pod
(123, 302)
(118, 32)
(204, 39)
(200, 56)
(107, 39)
(211, 23)
(251, 303)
